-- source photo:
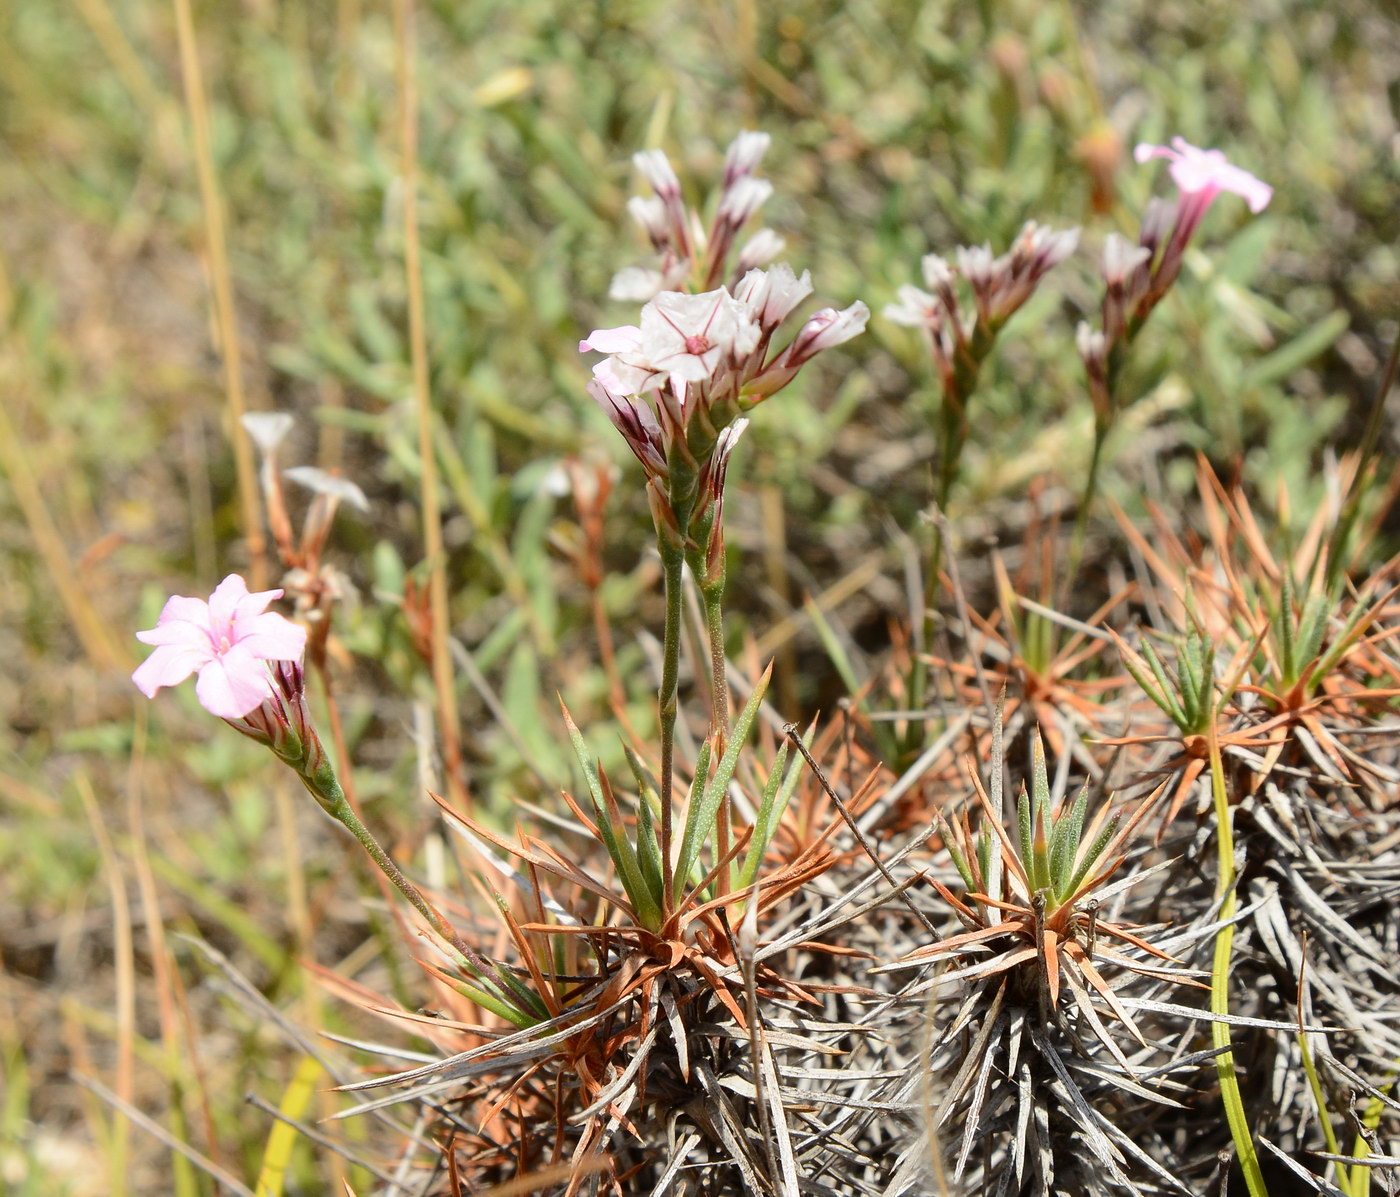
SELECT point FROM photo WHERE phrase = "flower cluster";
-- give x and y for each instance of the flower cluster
(691, 254)
(999, 285)
(1136, 277)
(677, 385)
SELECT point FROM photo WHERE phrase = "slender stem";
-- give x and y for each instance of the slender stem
(326, 789)
(673, 565)
(1086, 501)
(1220, 980)
(418, 349)
(713, 595)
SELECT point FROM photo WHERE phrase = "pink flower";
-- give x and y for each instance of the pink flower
(226, 640)
(1201, 175)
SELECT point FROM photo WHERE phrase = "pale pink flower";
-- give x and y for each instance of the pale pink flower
(226, 640)
(1201, 175)
(826, 329)
(690, 336)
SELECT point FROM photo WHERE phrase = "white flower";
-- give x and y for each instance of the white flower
(1122, 258)
(915, 308)
(827, 328)
(760, 249)
(744, 154)
(267, 428)
(689, 336)
(1091, 344)
(772, 295)
(742, 200)
(331, 485)
(635, 284)
(656, 168)
(977, 264)
(650, 214)
(937, 273)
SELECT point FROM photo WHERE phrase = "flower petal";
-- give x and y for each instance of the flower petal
(271, 637)
(169, 665)
(187, 610)
(232, 685)
(612, 340)
(183, 632)
(223, 603)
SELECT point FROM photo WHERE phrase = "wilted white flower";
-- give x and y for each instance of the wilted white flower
(333, 486)
(268, 428)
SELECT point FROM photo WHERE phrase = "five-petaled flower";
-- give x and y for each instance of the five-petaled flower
(226, 640)
(1201, 175)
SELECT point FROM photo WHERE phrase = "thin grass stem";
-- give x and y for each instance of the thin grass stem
(418, 351)
(250, 506)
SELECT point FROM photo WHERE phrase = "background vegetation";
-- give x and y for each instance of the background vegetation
(897, 129)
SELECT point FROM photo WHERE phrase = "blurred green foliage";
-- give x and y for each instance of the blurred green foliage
(898, 129)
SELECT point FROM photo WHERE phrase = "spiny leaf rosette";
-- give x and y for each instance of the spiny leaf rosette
(1032, 900)
(1033, 1051)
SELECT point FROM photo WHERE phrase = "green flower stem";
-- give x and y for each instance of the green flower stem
(672, 537)
(673, 565)
(1220, 981)
(1086, 501)
(713, 595)
(326, 789)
